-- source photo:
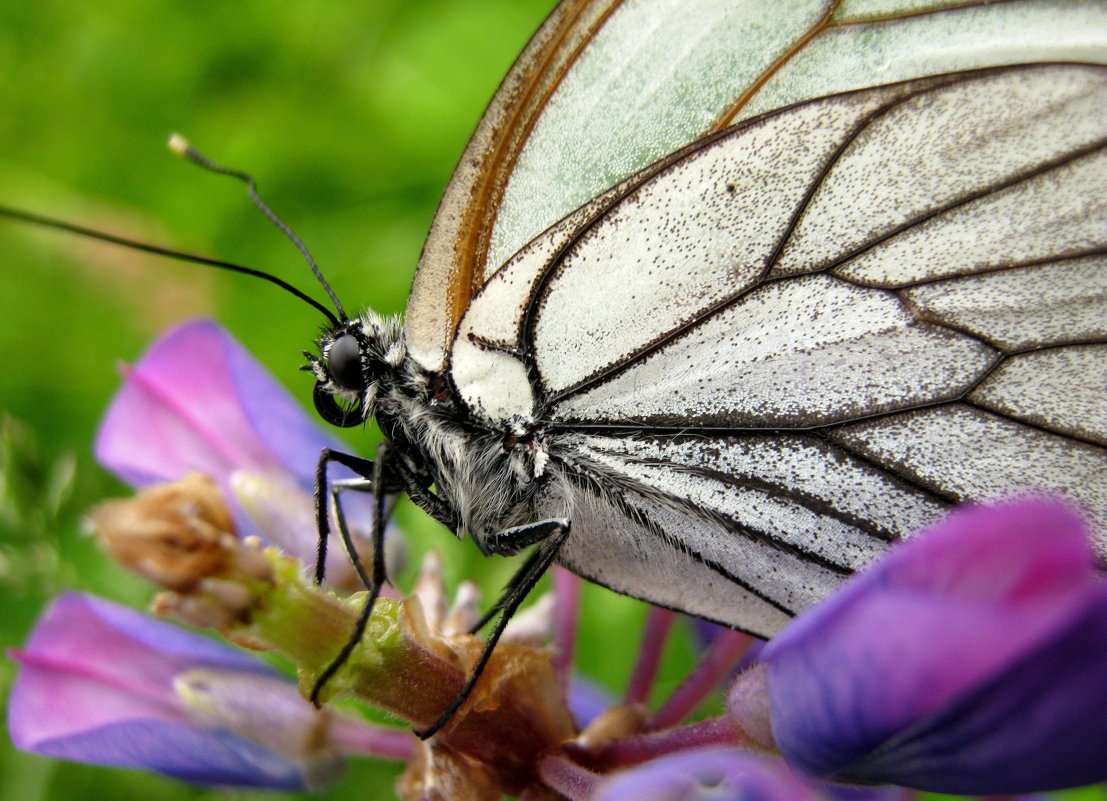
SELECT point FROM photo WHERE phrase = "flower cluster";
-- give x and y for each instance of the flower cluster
(971, 659)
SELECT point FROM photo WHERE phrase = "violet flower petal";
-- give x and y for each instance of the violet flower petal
(1039, 725)
(964, 661)
(197, 400)
(707, 774)
(853, 792)
(96, 685)
(587, 699)
(168, 640)
(178, 750)
(91, 662)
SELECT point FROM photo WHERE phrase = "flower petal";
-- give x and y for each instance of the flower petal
(178, 750)
(90, 662)
(155, 634)
(96, 684)
(587, 699)
(293, 437)
(1040, 725)
(923, 634)
(707, 774)
(197, 400)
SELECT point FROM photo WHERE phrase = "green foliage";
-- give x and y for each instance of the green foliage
(351, 116)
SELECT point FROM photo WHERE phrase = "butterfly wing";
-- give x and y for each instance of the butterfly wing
(761, 360)
(455, 256)
(607, 87)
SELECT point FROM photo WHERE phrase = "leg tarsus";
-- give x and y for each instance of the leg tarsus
(516, 579)
(347, 538)
(363, 467)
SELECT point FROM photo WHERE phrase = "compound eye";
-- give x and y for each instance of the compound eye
(344, 363)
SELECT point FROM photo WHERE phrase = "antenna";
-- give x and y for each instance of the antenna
(181, 146)
(61, 225)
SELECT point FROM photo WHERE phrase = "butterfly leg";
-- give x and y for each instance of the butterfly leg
(378, 486)
(512, 540)
(516, 579)
(338, 487)
(551, 534)
(425, 499)
(548, 534)
(507, 543)
(364, 468)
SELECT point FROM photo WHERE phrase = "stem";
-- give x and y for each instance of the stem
(641, 748)
(717, 662)
(568, 778)
(356, 737)
(658, 625)
(404, 668)
(566, 619)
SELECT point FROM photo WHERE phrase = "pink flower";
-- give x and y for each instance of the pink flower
(101, 683)
(197, 401)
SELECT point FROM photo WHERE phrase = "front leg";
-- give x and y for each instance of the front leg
(376, 580)
(364, 468)
(552, 535)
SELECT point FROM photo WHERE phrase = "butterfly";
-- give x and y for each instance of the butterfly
(722, 301)
(714, 326)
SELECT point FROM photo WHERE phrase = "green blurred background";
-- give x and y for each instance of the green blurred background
(351, 116)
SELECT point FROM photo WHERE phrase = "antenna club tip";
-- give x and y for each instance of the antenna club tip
(179, 145)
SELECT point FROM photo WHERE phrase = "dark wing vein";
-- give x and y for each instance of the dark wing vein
(760, 484)
(625, 483)
(969, 198)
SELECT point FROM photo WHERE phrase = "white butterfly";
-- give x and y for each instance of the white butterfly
(869, 283)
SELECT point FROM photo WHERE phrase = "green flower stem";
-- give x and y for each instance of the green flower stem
(405, 669)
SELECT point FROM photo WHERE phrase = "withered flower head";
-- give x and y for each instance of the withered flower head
(181, 536)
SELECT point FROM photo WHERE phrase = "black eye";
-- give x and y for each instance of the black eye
(344, 363)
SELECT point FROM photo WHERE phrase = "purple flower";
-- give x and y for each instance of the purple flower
(101, 683)
(197, 401)
(707, 774)
(971, 659)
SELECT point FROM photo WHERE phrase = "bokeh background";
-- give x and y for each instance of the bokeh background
(350, 114)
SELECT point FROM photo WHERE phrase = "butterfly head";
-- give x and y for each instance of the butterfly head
(358, 360)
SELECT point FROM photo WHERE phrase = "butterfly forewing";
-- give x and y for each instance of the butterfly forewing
(455, 260)
(609, 86)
